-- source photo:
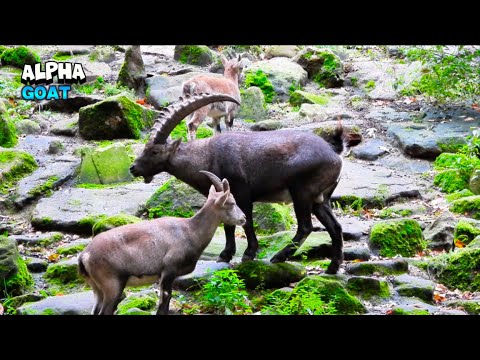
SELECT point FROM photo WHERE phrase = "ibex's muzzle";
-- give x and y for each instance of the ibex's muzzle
(147, 178)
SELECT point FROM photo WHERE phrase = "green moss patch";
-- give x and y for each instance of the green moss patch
(387, 267)
(455, 171)
(260, 80)
(72, 249)
(265, 275)
(63, 272)
(405, 311)
(199, 55)
(113, 222)
(14, 165)
(367, 287)
(466, 231)
(271, 218)
(299, 97)
(458, 195)
(472, 307)
(469, 205)
(397, 237)
(19, 56)
(46, 188)
(315, 295)
(146, 301)
(180, 131)
(8, 132)
(452, 180)
(18, 282)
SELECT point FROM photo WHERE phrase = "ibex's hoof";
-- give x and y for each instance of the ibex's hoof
(246, 257)
(279, 258)
(332, 268)
(224, 258)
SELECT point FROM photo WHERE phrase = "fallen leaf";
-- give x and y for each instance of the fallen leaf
(357, 260)
(53, 257)
(476, 107)
(141, 101)
(59, 294)
(438, 297)
(469, 119)
(459, 243)
(389, 312)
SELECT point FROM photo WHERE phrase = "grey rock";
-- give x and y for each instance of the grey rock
(132, 73)
(282, 73)
(217, 244)
(43, 239)
(356, 253)
(474, 184)
(72, 304)
(55, 147)
(475, 243)
(36, 265)
(54, 173)
(201, 55)
(471, 307)
(410, 286)
(313, 112)
(203, 271)
(288, 51)
(370, 150)
(66, 127)
(439, 234)
(367, 287)
(66, 208)
(27, 127)
(253, 105)
(388, 114)
(374, 184)
(74, 49)
(402, 163)
(266, 125)
(382, 267)
(103, 54)
(94, 70)
(267, 275)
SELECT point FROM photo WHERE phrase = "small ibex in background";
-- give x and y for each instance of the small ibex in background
(155, 250)
(227, 85)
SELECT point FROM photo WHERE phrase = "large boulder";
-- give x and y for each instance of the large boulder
(200, 55)
(19, 56)
(281, 73)
(469, 205)
(132, 73)
(381, 267)
(253, 105)
(113, 118)
(8, 135)
(105, 165)
(14, 165)
(439, 234)
(322, 65)
(27, 127)
(14, 276)
(397, 237)
(72, 304)
(288, 51)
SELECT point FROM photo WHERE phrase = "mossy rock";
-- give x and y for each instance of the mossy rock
(406, 310)
(105, 165)
(384, 267)
(475, 243)
(63, 272)
(452, 180)
(73, 248)
(271, 218)
(330, 289)
(367, 287)
(299, 97)
(472, 307)
(180, 131)
(27, 127)
(132, 73)
(12, 303)
(113, 222)
(113, 118)
(469, 206)
(322, 65)
(397, 237)
(466, 230)
(199, 55)
(14, 165)
(8, 133)
(265, 275)
(174, 198)
(253, 105)
(14, 276)
(458, 195)
(19, 56)
(452, 161)
(458, 269)
(260, 80)
(143, 301)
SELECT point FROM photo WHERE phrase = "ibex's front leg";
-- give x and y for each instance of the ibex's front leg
(165, 284)
(195, 121)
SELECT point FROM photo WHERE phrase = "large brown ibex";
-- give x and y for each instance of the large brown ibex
(155, 250)
(270, 166)
(228, 84)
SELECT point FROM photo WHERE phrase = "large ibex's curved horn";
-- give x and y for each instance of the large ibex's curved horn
(214, 179)
(176, 112)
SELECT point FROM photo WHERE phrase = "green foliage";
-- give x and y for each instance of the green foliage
(370, 85)
(466, 231)
(180, 131)
(448, 74)
(400, 311)
(271, 218)
(8, 132)
(467, 205)
(225, 293)
(59, 56)
(354, 80)
(260, 80)
(455, 170)
(100, 85)
(458, 195)
(305, 301)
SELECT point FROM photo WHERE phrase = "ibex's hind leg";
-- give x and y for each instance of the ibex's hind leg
(165, 283)
(98, 295)
(302, 203)
(112, 294)
(228, 122)
(197, 118)
(324, 214)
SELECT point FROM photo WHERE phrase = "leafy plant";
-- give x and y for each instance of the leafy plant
(449, 73)
(260, 79)
(225, 293)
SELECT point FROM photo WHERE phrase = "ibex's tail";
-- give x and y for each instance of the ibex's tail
(81, 267)
(340, 140)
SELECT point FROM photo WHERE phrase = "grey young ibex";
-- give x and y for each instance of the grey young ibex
(228, 84)
(154, 250)
(270, 166)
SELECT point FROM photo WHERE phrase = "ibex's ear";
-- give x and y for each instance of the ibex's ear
(224, 60)
(173, 146)
(226, 185)
(222, 199)
(212, 190)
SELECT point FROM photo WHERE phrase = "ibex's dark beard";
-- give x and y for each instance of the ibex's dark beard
(147, 179)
